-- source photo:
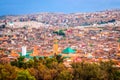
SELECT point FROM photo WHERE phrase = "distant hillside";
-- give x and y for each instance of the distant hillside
(73, 19)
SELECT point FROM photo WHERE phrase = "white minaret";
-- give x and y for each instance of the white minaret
(24, 51)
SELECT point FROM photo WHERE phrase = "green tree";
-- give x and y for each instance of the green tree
(24, 75)
(7, 72)
(111, 73)
(86, 71)
(59, 58)
(64, 75)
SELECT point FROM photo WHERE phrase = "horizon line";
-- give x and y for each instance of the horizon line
(82, 12)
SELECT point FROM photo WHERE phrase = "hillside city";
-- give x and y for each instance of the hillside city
(76, 37)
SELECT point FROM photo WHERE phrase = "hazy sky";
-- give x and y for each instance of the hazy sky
(8, 7)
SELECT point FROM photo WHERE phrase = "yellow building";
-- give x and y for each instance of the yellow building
(55, 46)
(35, 51)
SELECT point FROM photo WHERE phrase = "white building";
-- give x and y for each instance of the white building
(24, 51)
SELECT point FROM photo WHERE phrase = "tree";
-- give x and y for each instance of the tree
(24, 75)
(111, 72)
(64, 75)
(59, 58)
(19, 62)
(86, 71)
(7, 72)
(30, 64)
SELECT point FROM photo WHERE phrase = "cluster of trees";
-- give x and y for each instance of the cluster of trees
(54, 69)
(107, 21)
(60, 32)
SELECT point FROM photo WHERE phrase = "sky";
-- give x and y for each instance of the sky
(16, 7)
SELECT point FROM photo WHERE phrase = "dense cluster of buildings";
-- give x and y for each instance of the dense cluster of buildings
(47, 34)
(91, 42)
(73, 19)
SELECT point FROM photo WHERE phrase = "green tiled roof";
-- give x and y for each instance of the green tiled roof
(68, 50)
(31, 57)
(27, 54)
